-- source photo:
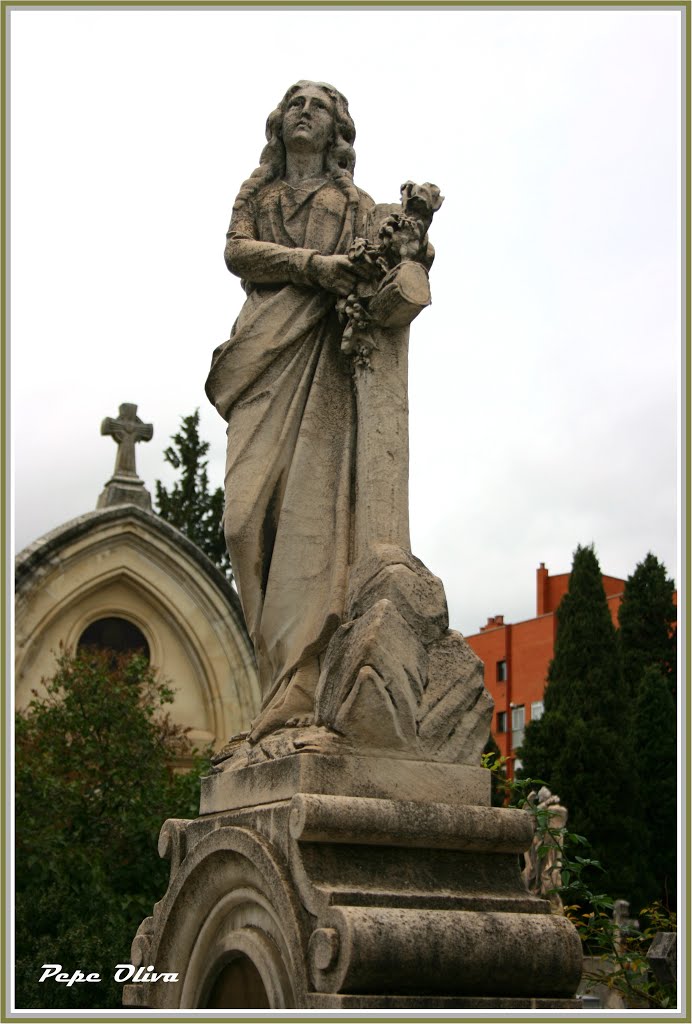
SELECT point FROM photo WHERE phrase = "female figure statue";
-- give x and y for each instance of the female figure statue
(285, 389)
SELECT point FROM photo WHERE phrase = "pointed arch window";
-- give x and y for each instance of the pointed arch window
(115, 634)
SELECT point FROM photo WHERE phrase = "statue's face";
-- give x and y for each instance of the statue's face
(308, 123)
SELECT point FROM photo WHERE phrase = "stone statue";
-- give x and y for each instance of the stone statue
(543, 859)
(313, 385)
(346, 855)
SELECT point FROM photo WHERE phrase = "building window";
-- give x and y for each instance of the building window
(502, 721)
(517, 726)
(502, 671)
(115, 634)
(536, 710)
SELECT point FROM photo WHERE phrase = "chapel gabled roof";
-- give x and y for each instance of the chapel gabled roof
(46, 548)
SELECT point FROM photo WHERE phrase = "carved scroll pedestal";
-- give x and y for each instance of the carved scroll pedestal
(335, 881)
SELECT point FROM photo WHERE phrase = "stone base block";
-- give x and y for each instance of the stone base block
(419, 1004)
(124, 490)
(380, 777)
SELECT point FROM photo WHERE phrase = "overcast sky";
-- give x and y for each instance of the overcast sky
(544, 378)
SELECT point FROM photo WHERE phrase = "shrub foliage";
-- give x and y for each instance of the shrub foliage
(94, 784)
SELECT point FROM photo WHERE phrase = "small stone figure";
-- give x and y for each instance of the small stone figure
(543, 870)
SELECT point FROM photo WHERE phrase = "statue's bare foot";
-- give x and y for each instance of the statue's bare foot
(273, 722)
(300, 721)
(232, 747)
(268, 722)
(299, 737)
(293, 704)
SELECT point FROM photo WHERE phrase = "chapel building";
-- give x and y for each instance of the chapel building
(122, 578)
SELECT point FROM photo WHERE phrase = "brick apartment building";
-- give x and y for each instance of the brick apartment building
(517, 655)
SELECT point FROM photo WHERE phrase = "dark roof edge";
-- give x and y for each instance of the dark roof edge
(40, 550)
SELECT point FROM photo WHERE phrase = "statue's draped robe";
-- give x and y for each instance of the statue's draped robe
(282, 384)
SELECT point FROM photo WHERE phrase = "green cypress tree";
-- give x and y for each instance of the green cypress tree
(581, 747)
(655, 744)
(190, 504)
(647, 624)
(647, 637)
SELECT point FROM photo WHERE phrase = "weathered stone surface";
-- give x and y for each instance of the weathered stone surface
(372, 716)
(365, 852)
(231, 897)
(372, 680)
(125, 487)
(663, 957)
(455, 713)
(395, 950)
(318, 894)
(394, 574)
(382, 688)
(318, 818)
(173, 842)
(403, 294)
(338, 1001)
(346, 775)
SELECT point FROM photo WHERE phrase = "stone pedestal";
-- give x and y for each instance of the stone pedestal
(344, 882)
(124, 490)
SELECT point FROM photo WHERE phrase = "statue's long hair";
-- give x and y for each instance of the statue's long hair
(340, 158)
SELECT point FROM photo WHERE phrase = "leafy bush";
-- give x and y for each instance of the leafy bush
(591, 911)
(94, 784)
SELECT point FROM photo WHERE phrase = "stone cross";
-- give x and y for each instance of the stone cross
(125, 487)
(126, 431)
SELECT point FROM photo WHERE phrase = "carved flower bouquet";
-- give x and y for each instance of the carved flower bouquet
(396, 287)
